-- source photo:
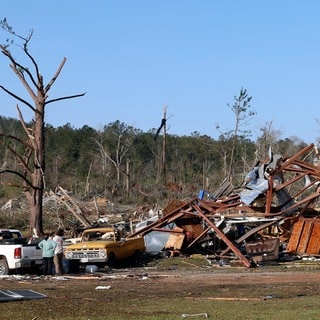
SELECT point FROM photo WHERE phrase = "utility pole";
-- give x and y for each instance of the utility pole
(163, 163)
(164, 146)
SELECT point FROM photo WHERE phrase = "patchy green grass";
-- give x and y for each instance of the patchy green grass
(170, 289)
(69, 305)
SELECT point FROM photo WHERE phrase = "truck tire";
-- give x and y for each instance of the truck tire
(4, 269)
(111, 260)
(73, 266)
(137, 258)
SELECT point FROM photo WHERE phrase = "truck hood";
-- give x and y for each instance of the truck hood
(89, 245)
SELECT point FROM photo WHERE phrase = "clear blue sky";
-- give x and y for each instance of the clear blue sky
(133, 57)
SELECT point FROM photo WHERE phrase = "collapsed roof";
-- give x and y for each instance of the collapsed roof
(248, 223)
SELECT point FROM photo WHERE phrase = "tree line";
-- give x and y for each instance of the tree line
(124, 164)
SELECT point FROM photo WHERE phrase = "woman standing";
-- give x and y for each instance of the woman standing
(47, 245)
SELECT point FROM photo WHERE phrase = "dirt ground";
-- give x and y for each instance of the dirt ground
(77, 295)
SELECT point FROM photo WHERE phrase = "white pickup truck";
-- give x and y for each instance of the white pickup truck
(16, 254)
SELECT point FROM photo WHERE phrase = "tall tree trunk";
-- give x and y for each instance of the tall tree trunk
(34, 197)
(35, 194)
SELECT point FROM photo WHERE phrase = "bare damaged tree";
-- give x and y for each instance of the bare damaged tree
(114, 145)
(32, 158)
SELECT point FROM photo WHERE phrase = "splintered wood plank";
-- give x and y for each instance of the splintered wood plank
(175, 241)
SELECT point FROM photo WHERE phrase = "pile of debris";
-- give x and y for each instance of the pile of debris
(276, 211)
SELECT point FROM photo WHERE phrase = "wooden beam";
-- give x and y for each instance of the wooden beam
(223, 237)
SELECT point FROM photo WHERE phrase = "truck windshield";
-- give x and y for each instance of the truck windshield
(97, 235)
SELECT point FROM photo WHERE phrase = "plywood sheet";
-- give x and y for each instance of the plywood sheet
(305, 237)
(314, 241)
(295, 236)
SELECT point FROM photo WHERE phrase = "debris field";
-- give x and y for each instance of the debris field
(275, 214)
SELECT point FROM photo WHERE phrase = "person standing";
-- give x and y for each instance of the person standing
(47, 245)
(58, 252)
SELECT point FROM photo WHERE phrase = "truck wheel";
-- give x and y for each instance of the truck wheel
(4, 269)
(112, 260)
(137, 258)
(73, 266)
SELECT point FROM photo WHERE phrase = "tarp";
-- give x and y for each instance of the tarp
(253, 189)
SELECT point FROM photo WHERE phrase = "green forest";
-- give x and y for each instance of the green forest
(125, 165)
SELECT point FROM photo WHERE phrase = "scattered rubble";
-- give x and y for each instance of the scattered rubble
(273, 216)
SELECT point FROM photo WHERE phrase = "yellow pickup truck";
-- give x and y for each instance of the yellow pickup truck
(103, 246)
